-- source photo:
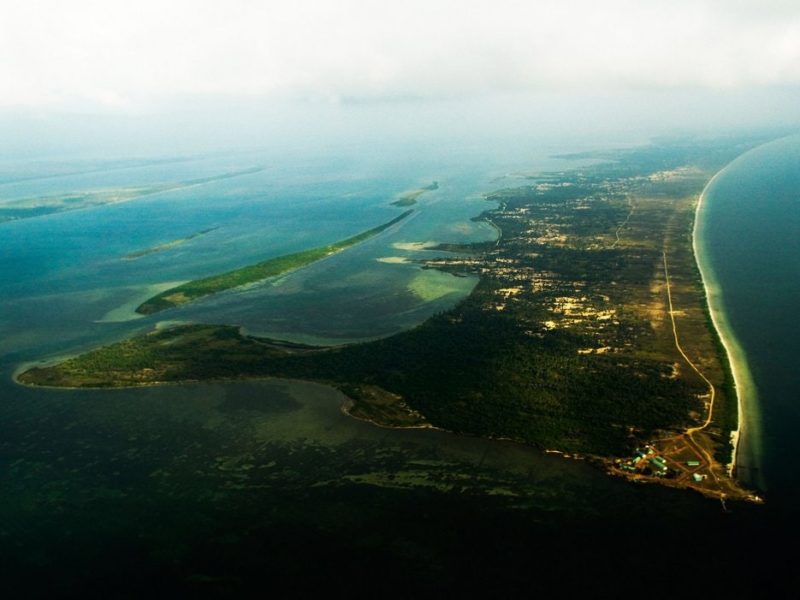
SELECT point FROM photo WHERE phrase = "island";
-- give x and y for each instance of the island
(27, 208)
(199, 288)
(167, 245)
(410, 198)
(587, 334)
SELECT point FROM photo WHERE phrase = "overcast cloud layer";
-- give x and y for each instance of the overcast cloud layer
(131, 54)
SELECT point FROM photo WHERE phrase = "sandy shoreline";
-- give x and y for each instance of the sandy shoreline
(746, 394)
(127, 311)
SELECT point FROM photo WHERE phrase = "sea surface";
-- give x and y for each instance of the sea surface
(207, 486)
(749, 234)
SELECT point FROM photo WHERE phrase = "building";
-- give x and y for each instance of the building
(658, 463)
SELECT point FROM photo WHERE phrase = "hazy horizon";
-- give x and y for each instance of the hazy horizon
(211, 76)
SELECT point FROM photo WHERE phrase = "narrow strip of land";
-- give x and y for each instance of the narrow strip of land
(27, 208)
(167, 245)
(272, 267)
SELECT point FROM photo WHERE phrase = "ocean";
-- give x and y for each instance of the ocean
(749, 236)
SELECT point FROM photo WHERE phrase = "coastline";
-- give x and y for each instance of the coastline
(747, 427)
(689, 210)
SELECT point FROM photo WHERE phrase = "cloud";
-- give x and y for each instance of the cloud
(127, 55)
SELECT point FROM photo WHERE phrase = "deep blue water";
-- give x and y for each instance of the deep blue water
(752, 236)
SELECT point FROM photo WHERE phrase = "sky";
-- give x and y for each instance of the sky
(134, 55)
(158, 76)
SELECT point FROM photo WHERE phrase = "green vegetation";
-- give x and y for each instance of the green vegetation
(374, 404)
(410, 198)
(480, 375)
(206, 286)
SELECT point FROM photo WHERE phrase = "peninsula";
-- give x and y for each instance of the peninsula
(588, 332)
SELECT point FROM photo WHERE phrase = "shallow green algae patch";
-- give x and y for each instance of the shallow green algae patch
(206, 286)
(430, 285)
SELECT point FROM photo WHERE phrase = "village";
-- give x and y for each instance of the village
(587, 257)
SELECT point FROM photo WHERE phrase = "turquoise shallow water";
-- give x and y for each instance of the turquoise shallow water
(72, 263)
(751, 238)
